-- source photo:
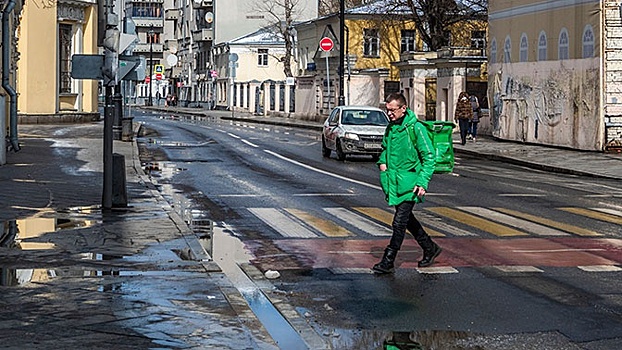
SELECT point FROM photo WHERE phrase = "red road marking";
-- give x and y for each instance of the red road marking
(457, 252)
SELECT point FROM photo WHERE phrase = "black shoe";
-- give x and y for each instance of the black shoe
(429, 256)
(386, 265)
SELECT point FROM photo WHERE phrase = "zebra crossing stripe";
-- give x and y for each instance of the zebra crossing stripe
(326, 227)
(359, 222)
(284, 225)
(513, 221)
(594, 214)
(427, 220)
(477, 222)
(609, 211)
(544, 221)
(387, 218)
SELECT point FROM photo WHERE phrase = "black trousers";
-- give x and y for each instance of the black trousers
(405, 219)
(464, 129)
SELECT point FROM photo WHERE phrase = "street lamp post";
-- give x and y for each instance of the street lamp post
(151, 34)
(342, 99)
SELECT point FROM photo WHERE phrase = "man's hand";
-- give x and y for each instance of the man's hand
(419, 191)
(382, 167)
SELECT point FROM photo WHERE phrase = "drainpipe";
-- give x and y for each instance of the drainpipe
(6, 65)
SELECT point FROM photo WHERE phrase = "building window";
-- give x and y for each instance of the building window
(542, 44)
(262, 57)
(65, 33)
(563, 52)
(146, 9)
(493, 51)
(408, 41)
(507, 50)
(371, 43)
(524, 48)
(478, 39)
(588, 42)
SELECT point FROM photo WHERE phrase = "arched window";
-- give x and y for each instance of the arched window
(507, 50)
(563, 52)
(524, 48)
(493, 50)
(588, 42)
(542, 46)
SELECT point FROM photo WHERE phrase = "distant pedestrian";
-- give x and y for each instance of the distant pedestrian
(463, 115)
(406, 167)
(472, 132)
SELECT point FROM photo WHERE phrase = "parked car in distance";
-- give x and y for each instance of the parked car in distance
(354, 130)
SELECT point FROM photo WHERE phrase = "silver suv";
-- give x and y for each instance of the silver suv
(354, 130)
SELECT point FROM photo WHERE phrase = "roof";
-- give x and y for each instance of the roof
(262, 36)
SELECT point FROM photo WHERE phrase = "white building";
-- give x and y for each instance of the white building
(249, 75)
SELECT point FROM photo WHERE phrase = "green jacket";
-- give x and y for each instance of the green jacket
(409, 162)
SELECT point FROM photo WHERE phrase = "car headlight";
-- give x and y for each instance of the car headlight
(351, 136)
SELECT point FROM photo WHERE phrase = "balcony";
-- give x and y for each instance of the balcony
(172, 14)
(148, 22)
(171, 45)
(203, 35)
(145, 48)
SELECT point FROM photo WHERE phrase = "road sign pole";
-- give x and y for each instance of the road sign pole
(327, 81)
(326, 44)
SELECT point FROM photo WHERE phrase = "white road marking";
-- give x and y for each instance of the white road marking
(518, 269)
(514, 222)
(558, 250)
(600, 268)
(439, 269)
(283, 224)
(250, 143)
(359, 222)
(323, 171)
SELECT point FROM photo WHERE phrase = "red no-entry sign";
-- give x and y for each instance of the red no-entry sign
(326, 44)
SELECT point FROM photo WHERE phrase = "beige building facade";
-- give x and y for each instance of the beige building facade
(49, 34)
(553, 72)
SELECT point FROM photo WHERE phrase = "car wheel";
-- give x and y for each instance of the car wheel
(325, 151)
(340, 154)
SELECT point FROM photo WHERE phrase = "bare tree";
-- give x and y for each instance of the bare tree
(327, 7)
(434, 19)
(282, 14)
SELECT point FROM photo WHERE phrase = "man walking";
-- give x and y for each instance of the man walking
(406, 167)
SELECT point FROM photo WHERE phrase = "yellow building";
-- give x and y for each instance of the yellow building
(50, 32)
(384, 53)
(372, 44)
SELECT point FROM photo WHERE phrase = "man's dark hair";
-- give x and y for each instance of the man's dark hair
(396, 96)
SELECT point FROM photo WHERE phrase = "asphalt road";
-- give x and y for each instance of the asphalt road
(530, 258)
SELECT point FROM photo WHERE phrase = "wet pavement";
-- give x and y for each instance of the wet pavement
(144, 276)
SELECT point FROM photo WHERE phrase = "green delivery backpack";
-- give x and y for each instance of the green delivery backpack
(440, 134)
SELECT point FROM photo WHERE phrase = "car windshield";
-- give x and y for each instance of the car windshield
(364, 117)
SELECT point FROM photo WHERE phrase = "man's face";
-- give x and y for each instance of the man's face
(395, 110)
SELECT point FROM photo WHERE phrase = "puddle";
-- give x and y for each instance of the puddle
(229, 253)
(25, 233)
(162, 169)
(387, 340)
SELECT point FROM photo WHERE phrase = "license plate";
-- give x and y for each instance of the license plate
(372, 145)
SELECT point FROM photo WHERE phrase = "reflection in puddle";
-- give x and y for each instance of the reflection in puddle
(26, 234)
(229, 253)
(416, 340)
(162, 169)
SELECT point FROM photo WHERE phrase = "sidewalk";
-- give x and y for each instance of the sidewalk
(72, 276)
(547, 158)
